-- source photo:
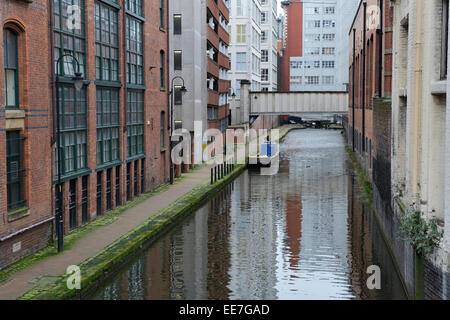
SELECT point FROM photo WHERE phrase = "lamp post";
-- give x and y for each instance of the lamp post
(78, 83)
(171, 122)
(233, 95)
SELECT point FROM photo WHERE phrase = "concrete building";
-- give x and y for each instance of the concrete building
(200, 55)
(113, 130)
(322, 64)
(245, 44)
(269, 44)
(420, 162)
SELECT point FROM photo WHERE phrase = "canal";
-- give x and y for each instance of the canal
(304, 233)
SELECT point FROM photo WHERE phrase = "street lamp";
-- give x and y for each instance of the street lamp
(171, 122)
(78, 83)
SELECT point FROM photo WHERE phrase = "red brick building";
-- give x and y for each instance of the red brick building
(294, 39)
(113, 132)
(25, 126)
(370, 78)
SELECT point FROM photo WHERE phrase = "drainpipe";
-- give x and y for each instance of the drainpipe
(53, 92)
(380, 53)
(364, 79)
(353, 87)
(417, 96)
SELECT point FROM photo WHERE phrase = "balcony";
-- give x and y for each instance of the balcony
(212, 67)
(213, 98)
(212, 6)
(224, 61)
(212, 37)
(224, 86)
(223, 35)
(224, 10)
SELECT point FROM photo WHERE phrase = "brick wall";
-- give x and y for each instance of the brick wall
(29, 21)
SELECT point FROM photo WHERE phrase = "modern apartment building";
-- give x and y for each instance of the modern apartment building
(269, 43)
(199, 59)
(245, 44)
(320, 63)
(112, 127)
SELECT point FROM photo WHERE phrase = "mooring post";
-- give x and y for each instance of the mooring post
(212, 179)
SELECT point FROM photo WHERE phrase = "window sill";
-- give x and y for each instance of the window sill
(108, 165)
(18, 214)
(74, 175)
(137, 157)
(162, 29)
(163, 149)
(162, 89)
(439, 87)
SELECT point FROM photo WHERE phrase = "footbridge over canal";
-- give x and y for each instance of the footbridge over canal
(298, 103)
(306, 105)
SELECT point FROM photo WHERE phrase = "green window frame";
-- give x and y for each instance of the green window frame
(11, 65)
(134, 7)
(135, 51)
(15, 172)
(162, 126)
(68, 41)
(135, 123)
(73, 123)
(108, 125)
(162, 69)
(106, 42)
(161, 14)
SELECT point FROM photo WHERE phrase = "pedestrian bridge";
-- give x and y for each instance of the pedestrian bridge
(298, 103)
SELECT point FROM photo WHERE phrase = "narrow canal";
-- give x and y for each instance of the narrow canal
(304, 233)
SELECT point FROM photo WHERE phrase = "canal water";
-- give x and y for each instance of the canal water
(304, 233)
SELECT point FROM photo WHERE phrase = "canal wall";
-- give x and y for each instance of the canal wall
(103, 265)
(424, 278)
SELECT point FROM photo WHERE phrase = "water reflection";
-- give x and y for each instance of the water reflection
(302, 234)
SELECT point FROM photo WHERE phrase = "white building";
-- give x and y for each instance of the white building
(324, 64)
(269, 37)
(245, 44)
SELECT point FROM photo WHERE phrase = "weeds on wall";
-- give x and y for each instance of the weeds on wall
(422, 235)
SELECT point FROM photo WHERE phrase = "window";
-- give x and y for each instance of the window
(328, 80)
(73, 204)
(240, 34)
(72, 113)
(134, 6)
(11, 68)
(14, 170)
(312, 51)
(264, 17)
(312, 37)
(313, 80)
(264, 75)
(135, 123)
(106, 42)
(313, 23)
(177, 60)
(177, 24)
(240, 7)
(328, 37)
(107, 125)
(68, 40)
(263, 36)
(135, 51)
(264, 55)
(178, 97)
(241, 61)
(212, 113)
(329, 10)
(328, 23)
(328, 51)
(444, 39)
(162, 129)
(328, 64)
(161, 70)
(161, 14)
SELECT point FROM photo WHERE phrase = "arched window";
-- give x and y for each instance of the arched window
(11, 68)
(162, 128)
(161, 70)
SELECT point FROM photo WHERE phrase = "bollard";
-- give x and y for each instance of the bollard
(212, 180)
(215, 174)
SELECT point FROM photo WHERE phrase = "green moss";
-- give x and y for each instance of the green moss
(363, 178)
